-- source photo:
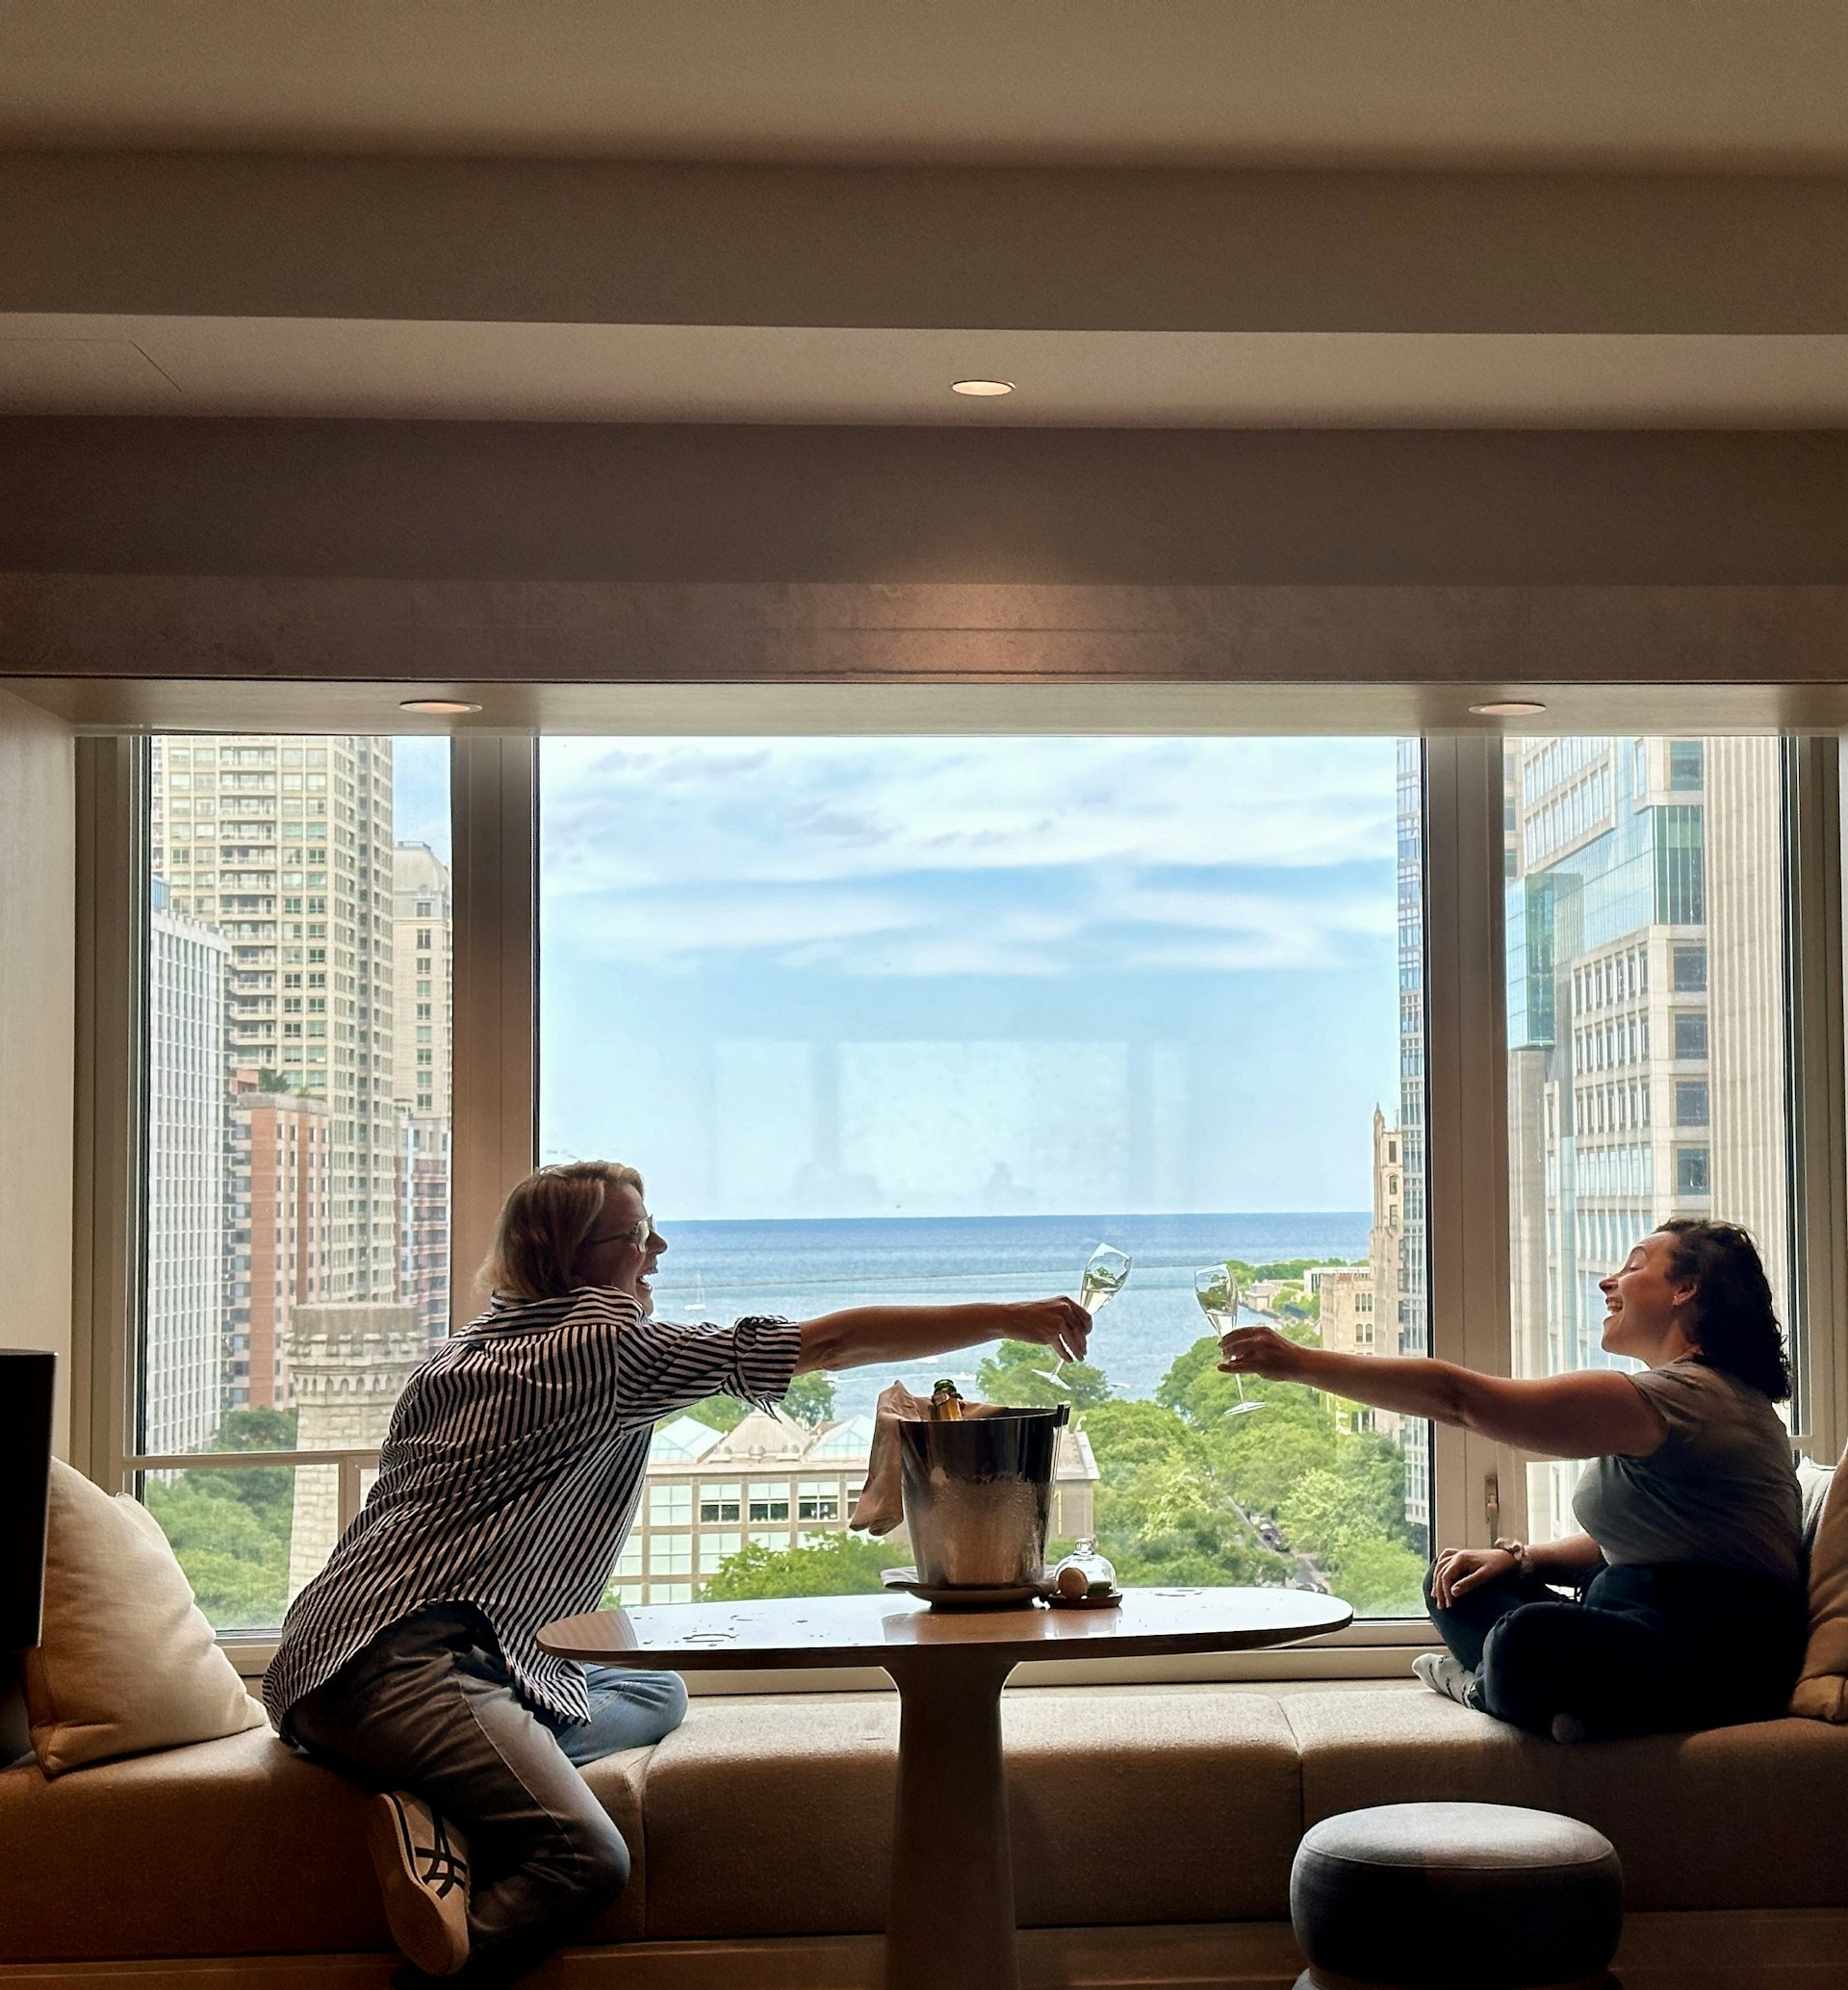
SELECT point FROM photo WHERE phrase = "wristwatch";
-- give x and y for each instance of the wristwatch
(1519, 1551)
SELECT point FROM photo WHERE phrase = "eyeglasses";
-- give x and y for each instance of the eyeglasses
(638, 1236)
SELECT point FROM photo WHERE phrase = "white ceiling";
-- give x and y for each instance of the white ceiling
(1637, 83)
(1619, 84)
(66, 364)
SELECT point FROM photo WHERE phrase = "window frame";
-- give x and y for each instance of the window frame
(1479, 1487)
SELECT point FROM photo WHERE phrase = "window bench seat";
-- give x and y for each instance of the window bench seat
(1146, 1821)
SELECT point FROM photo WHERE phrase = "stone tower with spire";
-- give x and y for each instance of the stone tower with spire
(349, 1363)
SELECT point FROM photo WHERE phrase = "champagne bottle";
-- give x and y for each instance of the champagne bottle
(946, 1402)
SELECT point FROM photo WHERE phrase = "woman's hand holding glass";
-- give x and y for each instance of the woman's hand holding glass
(1217, 1288)
(1261, 1351)
(1060, 1323)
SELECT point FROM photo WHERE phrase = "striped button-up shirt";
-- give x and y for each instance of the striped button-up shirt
(510, 1476)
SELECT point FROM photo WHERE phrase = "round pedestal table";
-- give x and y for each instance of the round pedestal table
(950, 1922)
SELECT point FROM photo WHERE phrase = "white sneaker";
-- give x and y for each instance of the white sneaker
(422, 1869)
(1444, 1673)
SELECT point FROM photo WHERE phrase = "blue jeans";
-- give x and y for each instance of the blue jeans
(428, 1706)
(628, 1710)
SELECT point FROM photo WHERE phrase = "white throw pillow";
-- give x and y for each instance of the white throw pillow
(1822, 1690)
(126, 1663)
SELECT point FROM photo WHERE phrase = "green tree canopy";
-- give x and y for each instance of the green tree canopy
(255, 1430)
(1026, 1376)
(1164, 1514)
(1377, 1577)
(229, 1531)
(1289, 1270)
(1188, 1478)
(719, 1411)
(810, 1400)
(842, 1564)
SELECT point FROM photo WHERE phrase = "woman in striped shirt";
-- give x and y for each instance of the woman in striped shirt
(506, 1485)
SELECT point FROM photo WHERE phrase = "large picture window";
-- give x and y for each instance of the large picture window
(1646, 1004)
(296, 1137)
(930, 1019)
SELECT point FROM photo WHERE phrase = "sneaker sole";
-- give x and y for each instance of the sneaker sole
(435, 1941)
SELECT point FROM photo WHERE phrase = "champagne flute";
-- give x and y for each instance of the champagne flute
(1217, 1288)
(1106, 1272)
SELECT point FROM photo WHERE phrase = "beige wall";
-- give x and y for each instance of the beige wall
(37, 919)
(1012, 510)
(589, 241)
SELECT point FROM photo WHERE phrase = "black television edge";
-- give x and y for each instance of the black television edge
(26, 1379)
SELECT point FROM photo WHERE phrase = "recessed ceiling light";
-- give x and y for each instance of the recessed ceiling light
(1509, 708)
(437, 707)
(980, 388)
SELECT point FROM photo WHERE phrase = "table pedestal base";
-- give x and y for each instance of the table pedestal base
(950, 1923)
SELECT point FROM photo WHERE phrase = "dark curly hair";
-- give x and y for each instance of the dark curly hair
(1736, 1319)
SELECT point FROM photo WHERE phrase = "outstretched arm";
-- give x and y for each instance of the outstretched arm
(1592, 1415)
(866, 1333)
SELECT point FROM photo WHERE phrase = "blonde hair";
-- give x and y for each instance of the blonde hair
(546, 1222)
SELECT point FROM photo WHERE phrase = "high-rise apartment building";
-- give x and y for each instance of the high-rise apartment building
(185, 1311)
(284, 845)
(424, 1220)
(280, 1223)
(1645, 1031)
(422, 928)
(1747, 1051)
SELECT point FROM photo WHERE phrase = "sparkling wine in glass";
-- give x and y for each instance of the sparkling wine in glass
(1106, 1273)
(1217, 1288)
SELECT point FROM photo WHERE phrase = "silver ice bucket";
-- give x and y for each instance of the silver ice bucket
(978, 1493)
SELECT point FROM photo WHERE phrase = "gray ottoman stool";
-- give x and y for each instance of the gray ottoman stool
(1455, 1897)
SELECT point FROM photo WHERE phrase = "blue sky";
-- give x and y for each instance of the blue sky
(420, 792)
(966, 976)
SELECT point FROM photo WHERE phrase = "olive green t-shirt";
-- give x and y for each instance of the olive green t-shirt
(1720, 1490)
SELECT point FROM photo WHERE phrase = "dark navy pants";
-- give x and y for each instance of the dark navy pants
(1658, 1650)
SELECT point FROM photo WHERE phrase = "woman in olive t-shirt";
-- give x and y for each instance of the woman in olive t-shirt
(1689, 1608)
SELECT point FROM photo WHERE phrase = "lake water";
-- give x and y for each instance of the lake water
(802, 1268)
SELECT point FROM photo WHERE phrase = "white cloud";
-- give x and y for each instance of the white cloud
(847, 854)
(1275, 928)
(805, 810)
(948, 954)
(667, 926)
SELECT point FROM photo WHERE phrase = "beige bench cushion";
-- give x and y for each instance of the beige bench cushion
(228, 1848)
(1737, 1817)
(1822, 1692)
(1132, 1807)
(776, 1818)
